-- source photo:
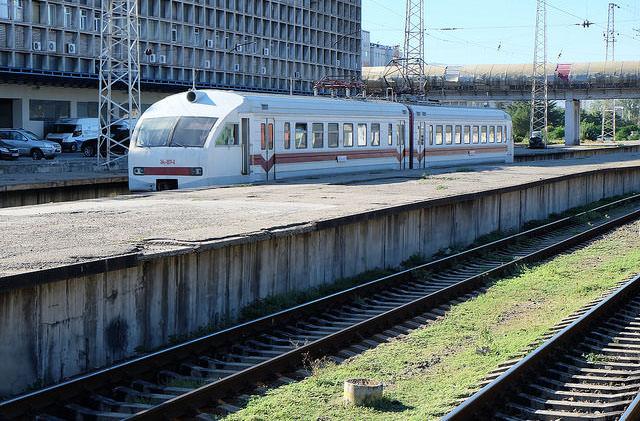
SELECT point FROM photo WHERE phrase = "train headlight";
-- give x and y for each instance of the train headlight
(138, 171)
(196, 171)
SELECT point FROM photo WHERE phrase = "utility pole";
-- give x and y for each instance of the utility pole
(539, 82)
(609, 108)
(414, 45)
(119, 70)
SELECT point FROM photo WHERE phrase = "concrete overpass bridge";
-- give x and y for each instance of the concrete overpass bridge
(571, 82)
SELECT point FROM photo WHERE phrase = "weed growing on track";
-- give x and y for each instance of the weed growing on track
(426, 371)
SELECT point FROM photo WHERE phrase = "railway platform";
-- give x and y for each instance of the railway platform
(130, 271)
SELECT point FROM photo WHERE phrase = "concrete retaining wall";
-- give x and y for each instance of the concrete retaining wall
(61, 322)
(62, 191)
(529, 155)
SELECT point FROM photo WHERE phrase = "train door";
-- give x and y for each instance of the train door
(420, 126)
(402, 144)
(267, 144)
(246, 146)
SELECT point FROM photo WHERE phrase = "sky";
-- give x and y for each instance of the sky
(502, 31)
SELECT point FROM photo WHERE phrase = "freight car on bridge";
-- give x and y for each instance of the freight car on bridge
(209, 137)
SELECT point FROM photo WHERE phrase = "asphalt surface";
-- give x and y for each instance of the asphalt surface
(43, 236)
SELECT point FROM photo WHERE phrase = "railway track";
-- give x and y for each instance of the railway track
(588, 371)
(182, 380)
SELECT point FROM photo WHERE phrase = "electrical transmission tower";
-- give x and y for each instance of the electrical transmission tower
(119, 87)
(539, 89)
(411, 65)
(609, 108)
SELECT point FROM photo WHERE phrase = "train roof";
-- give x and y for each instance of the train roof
(220, 103)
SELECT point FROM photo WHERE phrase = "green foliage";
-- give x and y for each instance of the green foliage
(520, 112)
(625, 133)
(590, 131)
(556, 133)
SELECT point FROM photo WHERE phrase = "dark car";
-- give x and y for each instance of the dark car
(8, 152)
(118, 133)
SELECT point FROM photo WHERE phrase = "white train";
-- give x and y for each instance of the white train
(209, 137)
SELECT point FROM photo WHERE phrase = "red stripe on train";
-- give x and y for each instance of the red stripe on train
(167, 171)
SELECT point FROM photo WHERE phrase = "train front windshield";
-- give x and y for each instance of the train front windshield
(174, 132)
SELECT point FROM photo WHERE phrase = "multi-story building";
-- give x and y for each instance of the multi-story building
(50, 46)
(374, 54)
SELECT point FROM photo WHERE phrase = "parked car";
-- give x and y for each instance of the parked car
(8, 152)
(73, 133)
(119, 133)
(29, 144)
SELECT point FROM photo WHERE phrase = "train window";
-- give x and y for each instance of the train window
(318, 135)
(438, 135)
(270, 138)
(457, 138)
(301, 135)
(483, 134)
(263, 136)
(401, 133)
(390, 134)
(287, 135)
(430, 135)
(229, 136)
(499, 135)
(421, 135)
(347, 132)
(375, 134)
(476, 134)
(333, 135)
(362, 134)
(467, 134)
(192, 131)
(492, 134)
(448, 134)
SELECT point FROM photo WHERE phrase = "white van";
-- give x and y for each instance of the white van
(72, 133)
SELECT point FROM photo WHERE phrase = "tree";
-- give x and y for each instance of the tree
(520, 112)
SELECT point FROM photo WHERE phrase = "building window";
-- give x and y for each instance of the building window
(51, 14)
(375, 134)
(96, 22)
(67, 17)
(17, 10)
(362, 134)
(174, 33)
(4, 9)
(333, 135)
(347, 133)
(43, 110)
(87, 110)
(83, 19)
(287, 135)
(301, 135)
(196, 36)
(318, 135)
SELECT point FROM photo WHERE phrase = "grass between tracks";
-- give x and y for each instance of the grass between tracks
(426, 371)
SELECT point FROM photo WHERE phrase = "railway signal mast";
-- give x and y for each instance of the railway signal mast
(540, 84)
(119, 70)
(609, 108)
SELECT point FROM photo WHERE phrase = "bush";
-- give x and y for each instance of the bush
(625, 133)
(590, 131)
(556, 133)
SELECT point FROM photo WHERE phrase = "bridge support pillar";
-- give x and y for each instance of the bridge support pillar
(572, 122)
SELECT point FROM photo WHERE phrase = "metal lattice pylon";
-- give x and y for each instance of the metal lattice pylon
(119, 71)
(414, 45)
(609, 108)
(540, 83)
